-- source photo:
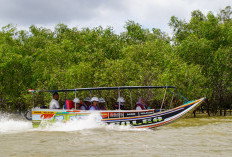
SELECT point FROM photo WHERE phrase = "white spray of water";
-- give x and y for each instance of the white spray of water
(93, 121)
(10, 124)
(116, 127)
(90, 122)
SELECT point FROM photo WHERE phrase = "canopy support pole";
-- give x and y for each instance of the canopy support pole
(119, 105)
(90, 94)
(65, 98)
(185, 100)
(163, 99)
(171, 100)
(75, 97)
(131, 99)
(33, 98)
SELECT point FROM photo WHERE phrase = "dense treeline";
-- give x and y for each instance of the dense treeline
(197, 59)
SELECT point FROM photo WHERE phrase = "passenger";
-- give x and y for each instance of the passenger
(102, 104)
(43, 107)
(77, 103)
(94, 103)
(86, 103)
(140, 105)
(120, 101)
(54, 104)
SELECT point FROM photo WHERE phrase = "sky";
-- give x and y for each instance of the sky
(106, 13)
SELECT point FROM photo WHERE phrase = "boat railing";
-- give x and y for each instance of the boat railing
(110, 113)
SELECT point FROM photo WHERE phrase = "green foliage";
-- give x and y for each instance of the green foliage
(197, 60)
(206, 41)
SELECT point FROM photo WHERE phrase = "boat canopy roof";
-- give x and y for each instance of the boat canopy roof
(102, 88)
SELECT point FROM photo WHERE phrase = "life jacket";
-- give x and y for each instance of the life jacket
(142, 106)
(69, 104)
(116, 107)
(102, 107)
(96, 108)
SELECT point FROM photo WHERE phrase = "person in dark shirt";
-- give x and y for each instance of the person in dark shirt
(120, 101)
(102, 104)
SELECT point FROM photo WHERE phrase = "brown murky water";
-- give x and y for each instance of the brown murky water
(186, 137)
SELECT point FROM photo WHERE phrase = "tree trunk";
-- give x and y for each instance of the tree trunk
(215, 110)
(194, 113)
(225, 110)
(230, 108)
(202, 109)
(220, 110)
(207, 107)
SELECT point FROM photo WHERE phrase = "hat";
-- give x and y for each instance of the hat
(121, 99)
(88, 99)
(76, 100)
(101, 100)
(94, 99)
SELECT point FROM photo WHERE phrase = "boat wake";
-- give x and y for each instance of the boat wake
(14, 124)
(93, 121)
(90, 122)
(10, 123)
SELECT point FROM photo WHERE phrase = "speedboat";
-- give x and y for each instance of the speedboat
(148, 118)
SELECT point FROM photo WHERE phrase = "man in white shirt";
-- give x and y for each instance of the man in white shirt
(54, 104)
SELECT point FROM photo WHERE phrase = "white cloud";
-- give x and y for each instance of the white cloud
(92, 13)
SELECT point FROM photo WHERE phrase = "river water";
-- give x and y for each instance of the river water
(186, 137)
